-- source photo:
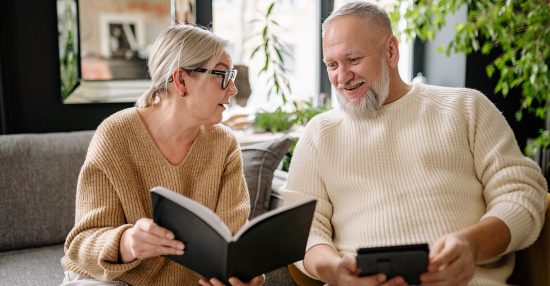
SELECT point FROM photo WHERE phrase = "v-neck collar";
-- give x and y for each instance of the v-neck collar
(153, 146)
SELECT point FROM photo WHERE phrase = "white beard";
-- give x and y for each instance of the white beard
(370, 104)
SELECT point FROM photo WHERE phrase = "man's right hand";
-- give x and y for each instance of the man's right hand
(147, 239)
(323, 262)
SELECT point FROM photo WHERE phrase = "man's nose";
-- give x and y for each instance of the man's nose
(344, 74)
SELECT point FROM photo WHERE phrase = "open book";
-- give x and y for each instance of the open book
(269, 241)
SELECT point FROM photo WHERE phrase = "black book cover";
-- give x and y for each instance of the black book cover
(269, 241)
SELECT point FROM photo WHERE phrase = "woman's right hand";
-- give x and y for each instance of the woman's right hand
(147, 239)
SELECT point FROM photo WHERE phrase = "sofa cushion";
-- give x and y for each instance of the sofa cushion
(260, 161)
(38, 177)
(33, 266)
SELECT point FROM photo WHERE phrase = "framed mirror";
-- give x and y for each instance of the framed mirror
(104, 45)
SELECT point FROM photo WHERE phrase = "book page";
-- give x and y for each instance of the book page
(267, 215)
(206, 214)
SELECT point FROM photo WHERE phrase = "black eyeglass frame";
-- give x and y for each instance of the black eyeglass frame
(226, 75)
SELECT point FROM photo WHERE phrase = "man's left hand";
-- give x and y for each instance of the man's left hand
(452, 262)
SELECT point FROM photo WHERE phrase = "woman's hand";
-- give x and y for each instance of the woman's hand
(256, 281)
(147, 239)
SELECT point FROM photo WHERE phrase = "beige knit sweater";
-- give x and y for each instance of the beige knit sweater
(122, 164)
(435, 161)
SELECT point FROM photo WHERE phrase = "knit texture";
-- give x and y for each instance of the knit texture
(122, 165)
(433, 162)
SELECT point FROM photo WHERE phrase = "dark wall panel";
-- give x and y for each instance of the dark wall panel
(31, 81)
(29, 75)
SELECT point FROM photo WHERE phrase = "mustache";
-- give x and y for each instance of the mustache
(350, 84)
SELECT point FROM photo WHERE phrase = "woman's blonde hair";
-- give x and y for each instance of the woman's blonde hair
(178, 46)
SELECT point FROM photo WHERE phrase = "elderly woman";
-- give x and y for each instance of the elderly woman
(172, 138)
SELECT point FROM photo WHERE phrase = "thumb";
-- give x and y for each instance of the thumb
(349, 263)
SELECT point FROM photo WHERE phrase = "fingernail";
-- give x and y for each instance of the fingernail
(170, 235)
(180, 252)
(381, 277)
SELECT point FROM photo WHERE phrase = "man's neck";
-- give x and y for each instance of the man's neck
(398, 89)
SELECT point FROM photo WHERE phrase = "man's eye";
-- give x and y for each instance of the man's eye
(332, 66)
(354, 60)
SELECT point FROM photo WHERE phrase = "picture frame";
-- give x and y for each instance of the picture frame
(121, 35)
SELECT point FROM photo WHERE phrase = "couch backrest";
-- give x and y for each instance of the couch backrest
(38, 176)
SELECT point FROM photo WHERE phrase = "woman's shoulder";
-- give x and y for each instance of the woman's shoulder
(120, 119)
(114, 129)
(220, 137)
(219, 132)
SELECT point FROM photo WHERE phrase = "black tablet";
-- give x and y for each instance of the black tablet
(408, 261)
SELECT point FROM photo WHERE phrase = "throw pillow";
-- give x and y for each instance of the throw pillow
(259, 163)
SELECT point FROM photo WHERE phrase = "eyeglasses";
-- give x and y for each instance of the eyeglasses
(226, 75)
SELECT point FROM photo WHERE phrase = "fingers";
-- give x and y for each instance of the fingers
(147, 239)
(153, 239)
(452, 262)
(236, 282)
(348, 262)
(149, 226)
(211, 282)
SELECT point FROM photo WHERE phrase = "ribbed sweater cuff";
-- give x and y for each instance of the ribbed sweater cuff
(518, 222)
(109, 256)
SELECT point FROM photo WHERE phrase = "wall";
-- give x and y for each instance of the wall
(29, 91)
(440, 69)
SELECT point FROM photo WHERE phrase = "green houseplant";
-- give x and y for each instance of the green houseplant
(272, 50)
(519, 31)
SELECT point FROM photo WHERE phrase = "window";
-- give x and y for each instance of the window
(300, 30)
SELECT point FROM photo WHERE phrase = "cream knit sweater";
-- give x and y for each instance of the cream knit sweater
(435, 161)
(122, 164)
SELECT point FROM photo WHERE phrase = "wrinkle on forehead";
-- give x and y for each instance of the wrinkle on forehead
(349, 36)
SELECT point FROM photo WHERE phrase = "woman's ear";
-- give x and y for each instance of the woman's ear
(392, 51)
(179, 76)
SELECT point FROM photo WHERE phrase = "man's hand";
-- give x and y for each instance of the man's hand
(147, 239)
(256, 281)
(324, 262)
(452, 262)
(453, 257)
(346, 272)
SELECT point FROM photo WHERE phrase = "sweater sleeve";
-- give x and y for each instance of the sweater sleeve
(233, 205)
(514, 187)
(92, 246)
(305, 181)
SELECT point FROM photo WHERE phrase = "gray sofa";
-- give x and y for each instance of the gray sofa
(38, 175)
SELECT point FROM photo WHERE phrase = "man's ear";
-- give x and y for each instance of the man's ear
(179, 75)
(392, 51)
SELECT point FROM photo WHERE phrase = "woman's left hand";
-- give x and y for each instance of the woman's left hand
(234, 282)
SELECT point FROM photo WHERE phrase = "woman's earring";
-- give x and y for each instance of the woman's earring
(184, 94)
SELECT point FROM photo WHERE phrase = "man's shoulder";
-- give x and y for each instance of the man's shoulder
(325, 122)
(328, 118)
(449, 98)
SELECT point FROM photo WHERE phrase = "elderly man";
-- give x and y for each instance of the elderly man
(403, 164)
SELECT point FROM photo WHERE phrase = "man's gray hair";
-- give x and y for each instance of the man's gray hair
(367, 11)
